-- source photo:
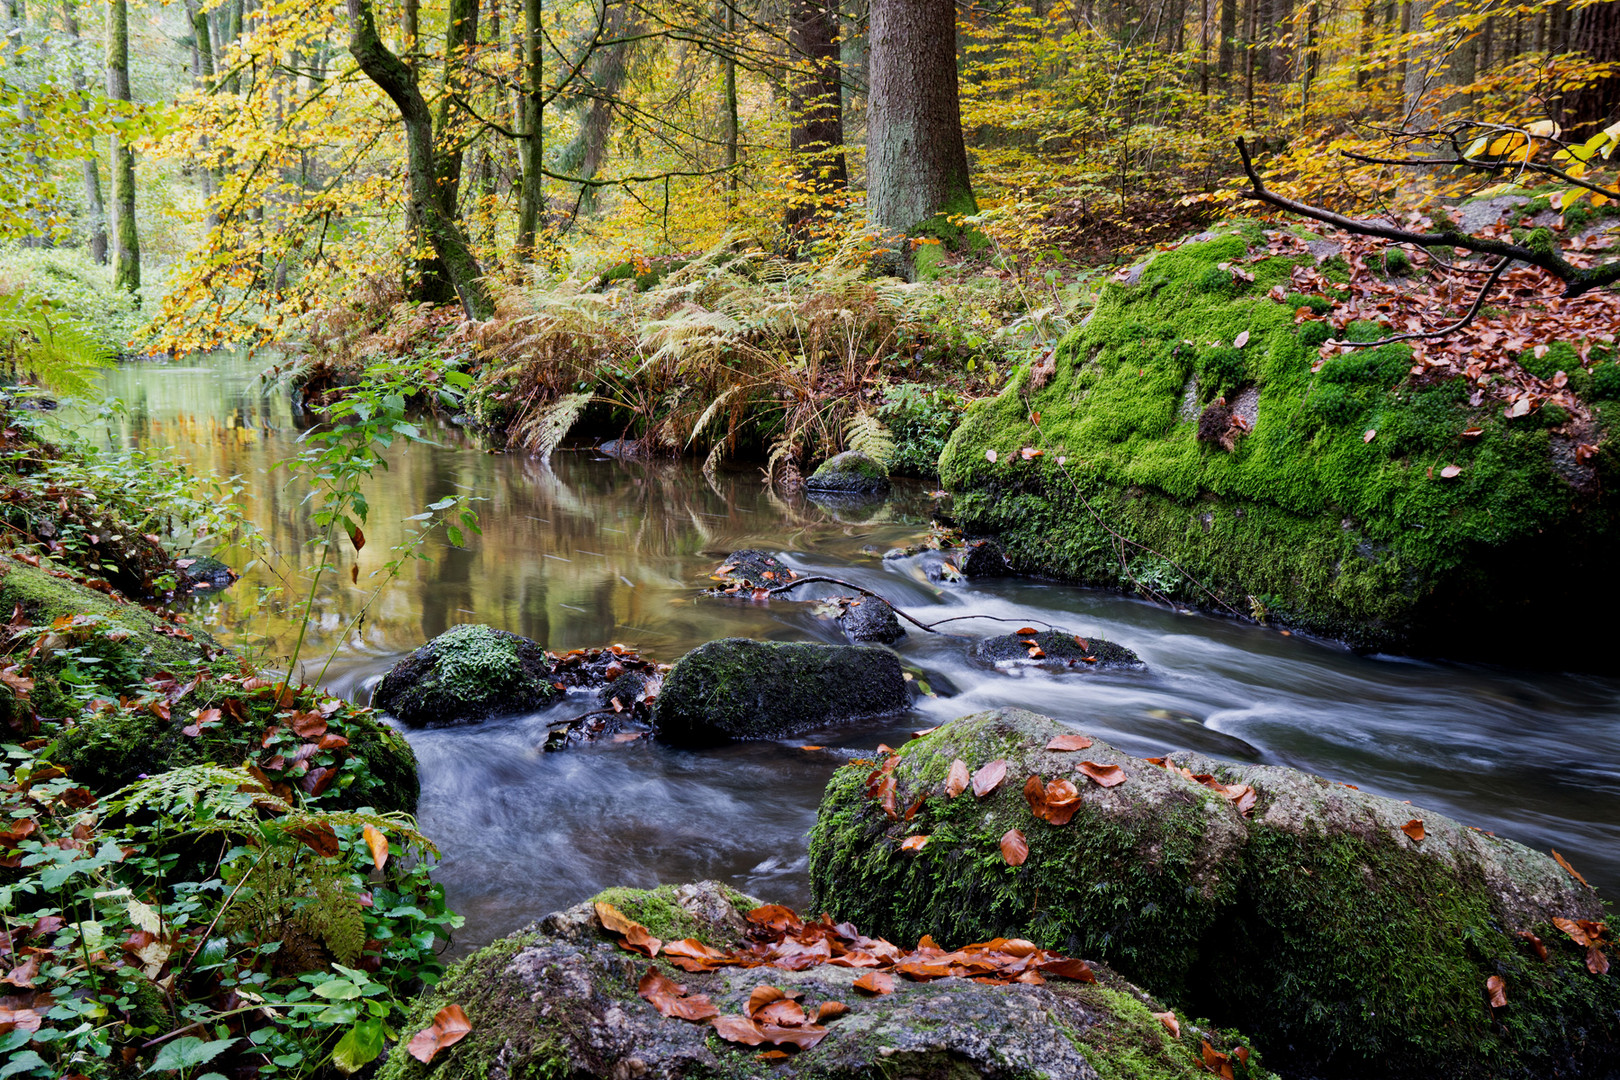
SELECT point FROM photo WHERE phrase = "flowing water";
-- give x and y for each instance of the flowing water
(590, 551)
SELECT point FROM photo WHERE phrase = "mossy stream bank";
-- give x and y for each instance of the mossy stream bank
(1362, 504)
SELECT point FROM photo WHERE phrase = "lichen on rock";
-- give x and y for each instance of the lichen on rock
(467, 674)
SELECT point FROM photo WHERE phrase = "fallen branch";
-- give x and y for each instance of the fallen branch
(848, 585)
(1430, 335)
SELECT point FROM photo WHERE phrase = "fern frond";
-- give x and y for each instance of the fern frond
(710, 413)
(52, 350)
(868, 435)
(545, 427)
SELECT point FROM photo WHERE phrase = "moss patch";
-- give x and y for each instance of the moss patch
(466, 674)
(1358, 538)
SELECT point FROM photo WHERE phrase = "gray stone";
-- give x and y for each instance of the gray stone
(869, 619)
(850, 472)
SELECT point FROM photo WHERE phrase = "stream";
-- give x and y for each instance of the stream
(590, 551)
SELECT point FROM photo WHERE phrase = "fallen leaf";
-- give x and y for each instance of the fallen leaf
(1030, 452)
(738, 1029)
(1014, 848)
(914, 843)
(1241, 340)
(1069, 968)
(830, 1010)
(812, 748)
(1062, 801)
(1069, 742)
(1498, 991)
(1576, 932)
(1451, 471)
(1574, 873)
(1026, 630)
(1171, 1024)
(690, 954)
(1596, 962)
(990, 456)
(1414, 829)
(956, 781)
(634, 936)
(321, 838)
(1473, 432)
(875, 982)
(1536, 944)
(450, 1025)
(670, 998)
(378, 843)
(1105, 775)
(990, 777)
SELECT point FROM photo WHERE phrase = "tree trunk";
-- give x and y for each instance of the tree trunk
(95, 209)
(1598, 36)
(205, 82)
(1228, 36)
(583, 155)
(731, 124)
(126, 241)
(460, 47)
(529, 199)
(443, 232)
(815, 108)
(916, 161)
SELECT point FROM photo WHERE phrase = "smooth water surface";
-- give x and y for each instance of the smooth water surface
(590, 551)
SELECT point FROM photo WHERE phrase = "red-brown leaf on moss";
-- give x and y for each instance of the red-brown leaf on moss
(956, 781)
(1414, 829)
(1104, 775)
(671, 999)
(1014, 848)
(450, 1025)
(1498, 991)
(990, 777)
(875, 982)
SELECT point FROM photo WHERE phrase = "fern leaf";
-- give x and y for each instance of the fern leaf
(868, 435)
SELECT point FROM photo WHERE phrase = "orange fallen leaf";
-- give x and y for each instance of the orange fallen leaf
(1473, 432)
(830, 1010)
(1414, 829)
(914, 843)
(1026, 630)
(1574, 873)
(1536, 944)
(1215, 1061)
(956, 781)
(1171, 1024)
(1014, 848)
(634, 936)
(1062, 801)
(812, 748)
(875, 982)
(450, 1025)
(378, 843)
(671, 999)
(990, 777)
(1069, 742)
(1498, 991)
(1105, 775)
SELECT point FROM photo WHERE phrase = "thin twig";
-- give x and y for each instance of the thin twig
(1430, 335)
(847, 585)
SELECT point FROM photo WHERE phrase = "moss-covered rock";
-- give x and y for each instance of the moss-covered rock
(118, 634)
(1054, 650)
(983, 558)
(851, 472)
(1317, 924)
(559, 1000)
(467, 674)
(738, 688)
(1357, 536)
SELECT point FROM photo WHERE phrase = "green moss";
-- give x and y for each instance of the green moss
(659, 911)
(1606, 380)
(927, 261)
(1352, 534)
(138, 637)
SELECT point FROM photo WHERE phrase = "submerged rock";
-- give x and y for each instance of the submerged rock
(753, 569)
(1054, 650)
(1333, 512)
(1319, 923)
(560, 999)
(738, 688)
(467, 674)
(869, 619)
(851, 472)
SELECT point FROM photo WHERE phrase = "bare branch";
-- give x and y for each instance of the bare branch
(1473, 313)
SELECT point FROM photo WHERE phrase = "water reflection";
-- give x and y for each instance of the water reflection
(591, 551)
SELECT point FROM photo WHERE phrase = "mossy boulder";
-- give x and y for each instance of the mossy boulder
(1054, 650)
(106, 750)
(1316, 924)
(1335, 513)
(467, 674)
(850, 473)
(983, 558)
(753, 569)
(559, 1000)
(120, 635)
(738, 688)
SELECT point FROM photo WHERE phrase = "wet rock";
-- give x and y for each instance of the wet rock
(940, 567)
(871, 620)
(621, 448)
(983, 558)
(850, 472)
(1317, 923)
(560, 999)
(204, 573)
(753, 569)
(1057, 650)
(738, 688)
(467, 674)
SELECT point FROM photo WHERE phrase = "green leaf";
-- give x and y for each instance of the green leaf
(188, 1053)
(338, 990)
(25, 1060)
(359, 1046)
(455, 536)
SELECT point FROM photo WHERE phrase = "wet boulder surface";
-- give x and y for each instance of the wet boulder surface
(870, 620)
(850, 473)
(752, 569)
(467, 674)
(739, 688)
(1306, 913)
(563, 998)
(1054, 650)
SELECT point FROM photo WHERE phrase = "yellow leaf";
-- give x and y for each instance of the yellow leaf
(1545, 129)
(1600, 199)
(378, 843)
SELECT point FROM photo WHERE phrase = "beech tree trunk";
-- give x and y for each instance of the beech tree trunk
(529, 198)
(95, 210)
(815, 108)
(1597, 34)
(126, 241)
(443, 232)
(916, 161)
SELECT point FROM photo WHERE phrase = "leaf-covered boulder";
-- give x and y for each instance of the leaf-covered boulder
(850, 473)
(752, 568)
(1053, 650)
(1304, 912)
(468, 673)
(738, 688)
(564, 998)
(1342, 494)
